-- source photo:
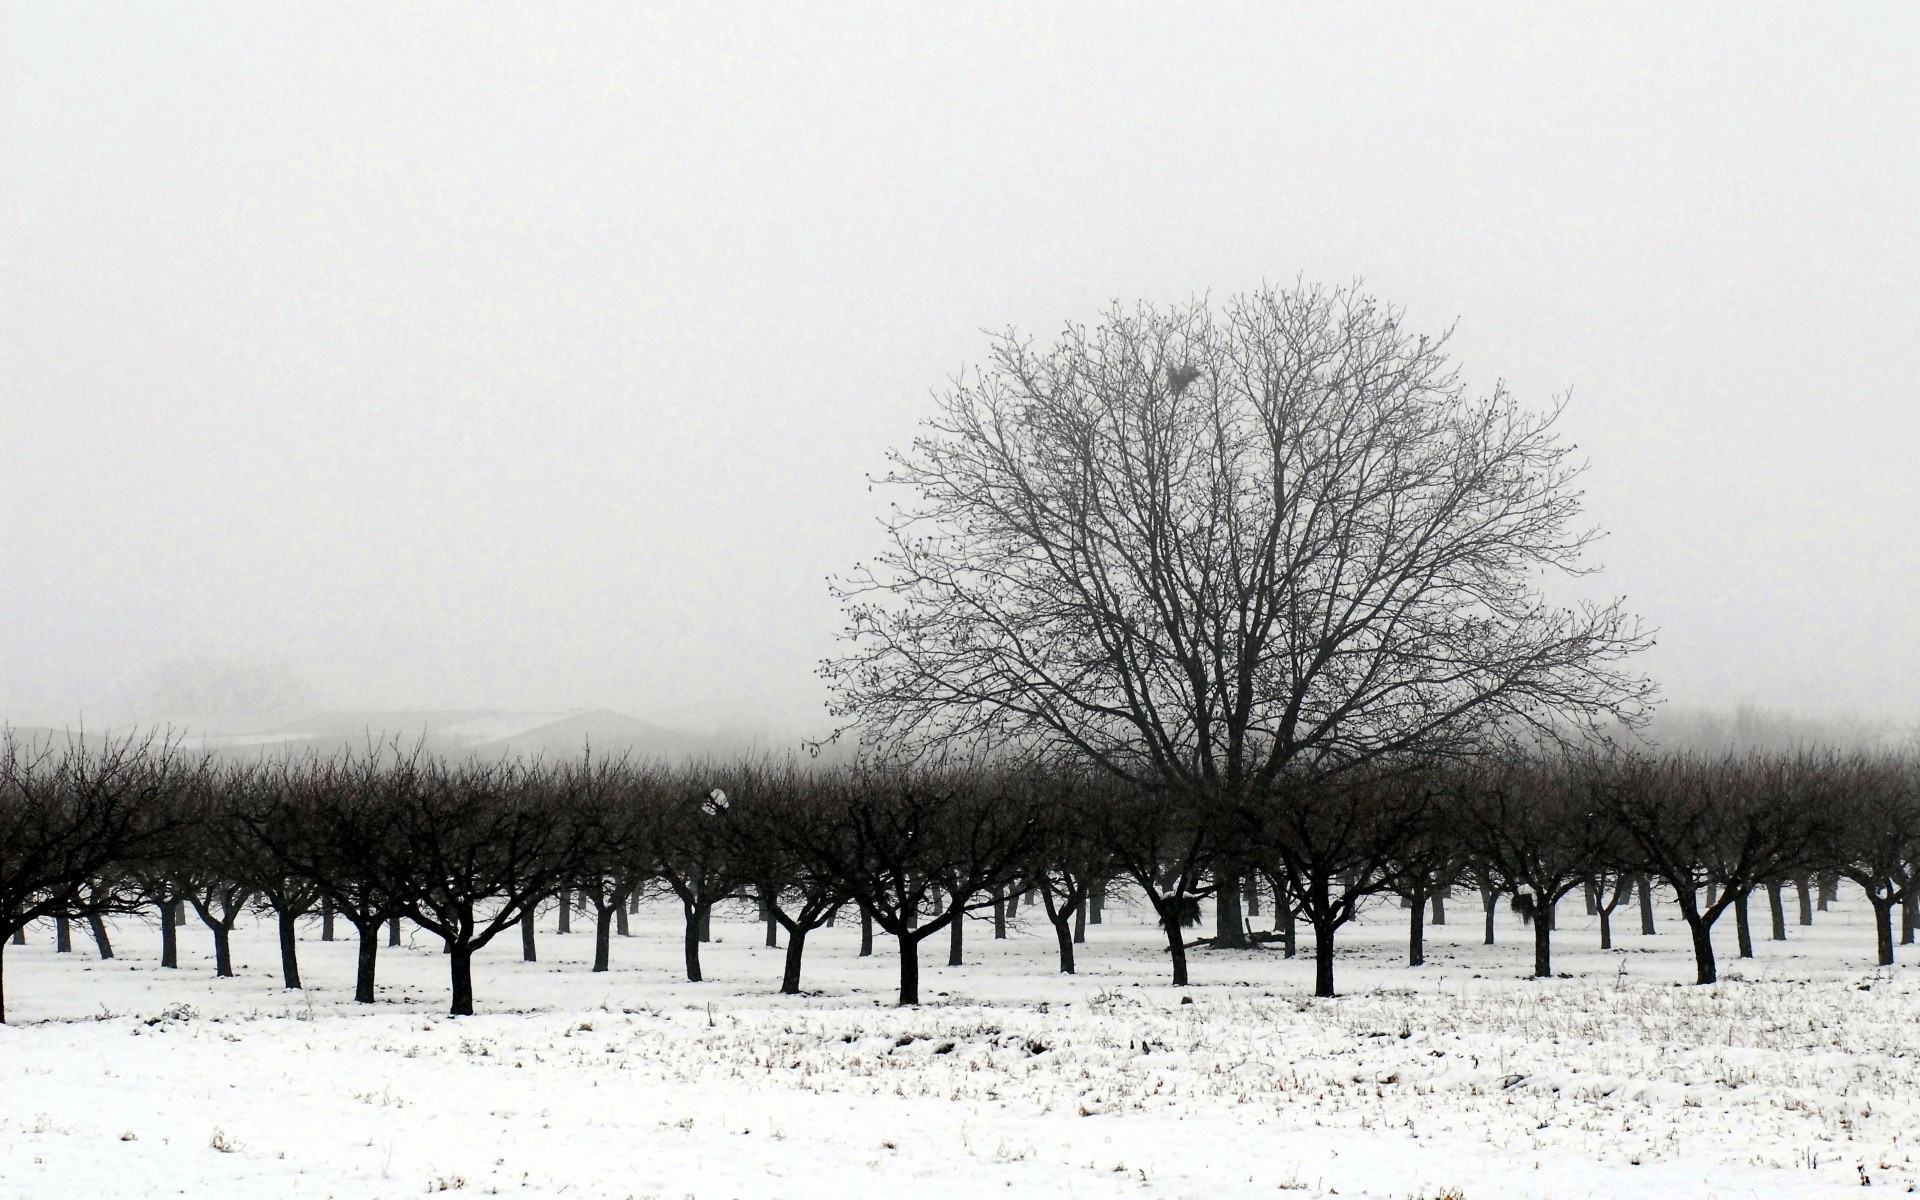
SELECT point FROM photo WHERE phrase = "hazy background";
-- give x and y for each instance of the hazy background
(443, 358)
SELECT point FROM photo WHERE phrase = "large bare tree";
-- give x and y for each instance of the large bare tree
(1205, 547)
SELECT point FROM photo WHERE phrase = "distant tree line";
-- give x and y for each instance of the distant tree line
(470, 851)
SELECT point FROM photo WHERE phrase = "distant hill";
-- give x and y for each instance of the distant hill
(485, 733)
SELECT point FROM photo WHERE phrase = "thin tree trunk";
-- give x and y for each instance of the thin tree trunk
(1490, 901)
(620, 921)
(169, 938)
(866, 933)
(1777, 910)
(1177, 947)
(222, 952)
(393, 931)
(1606, 928)
(460, 960)
(1705, 969)
(692, 941)
(1804, 887)
(1099, 904)
(1252, 898)
(1289, 927)
(706, 923)
(603, 936)
(1229, 925)
(1080, 921)
(1646, 906)
(529, 952)
(790, 977)
(1440, 907)
(1829, 889)
(99, 929)
(1323, 959)
(1543, 938)
(62, 935)
(909, 969)
(956, 935)
(999, 915)
(1882, 925)
(290, 948)
(1417, 931)
(1909, 915)
(1742, 930)
(566, 911)
(1063, 934)
(326, 918)
(363, 967)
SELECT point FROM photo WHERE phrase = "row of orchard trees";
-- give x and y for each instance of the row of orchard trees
(469, 850)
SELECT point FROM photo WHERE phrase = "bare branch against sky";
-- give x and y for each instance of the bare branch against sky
(454, 358)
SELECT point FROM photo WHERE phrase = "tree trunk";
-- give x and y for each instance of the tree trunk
(169, 938)
(1805, 889)
(1591, 887)
(999, 915)
(1063, 934)
(62, 935)
(1099, 904)
(460, 962)
(1177, 947)
(1013, 905)
(1742, 930)
(706, 923)
(1490, 901)
(393, 931)
(1080, 921)
(1606, 928)
(773, 934)
(956, 935)
(566, 911)
(603, 936)
(1645, 888)
(99, 929)
(866, 932)
(620, 921)
(1882, 925)
(1417, 931)
(1289, 927)
(290, 948)
(363, 972)
(1252, 886)
(692, 940)
(1829, 889)
(529, 952)
(790, 978)
(222, 952)
(1439, 907)
(326, 918)
(1705, 970)
(1909, 915)
(1229, 925)
(1543, 939)
(909, 969)
(1777, 911)
(1322, 959)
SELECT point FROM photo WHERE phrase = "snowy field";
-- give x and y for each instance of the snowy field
(1798, 1076)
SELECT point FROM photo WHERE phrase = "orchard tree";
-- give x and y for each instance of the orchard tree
(1205, 548)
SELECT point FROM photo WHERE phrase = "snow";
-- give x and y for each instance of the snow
(1795, 1076)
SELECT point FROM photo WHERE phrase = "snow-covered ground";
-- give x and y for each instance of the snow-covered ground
(1798, 1076)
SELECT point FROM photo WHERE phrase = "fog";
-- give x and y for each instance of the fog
(453, 358)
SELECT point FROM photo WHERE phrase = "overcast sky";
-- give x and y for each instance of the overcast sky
(535, 358)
